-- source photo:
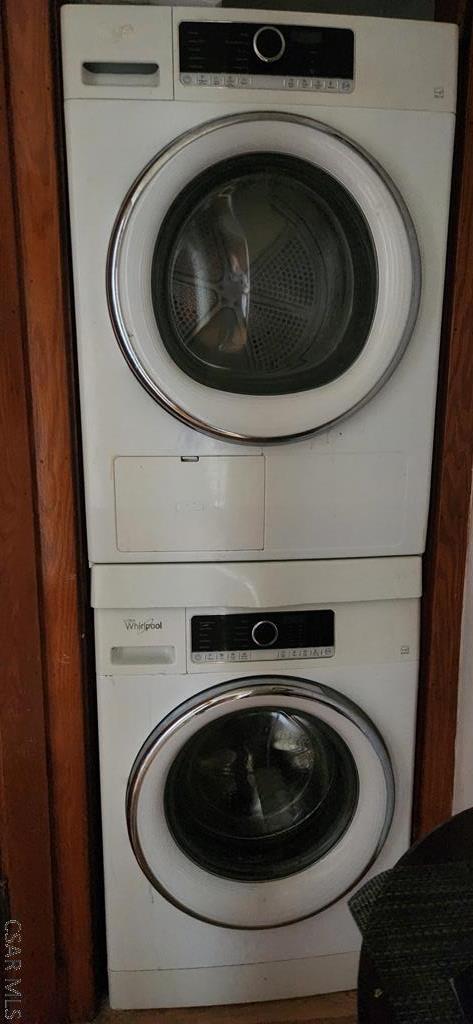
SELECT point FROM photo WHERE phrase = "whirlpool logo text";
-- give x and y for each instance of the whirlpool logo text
(142, 625)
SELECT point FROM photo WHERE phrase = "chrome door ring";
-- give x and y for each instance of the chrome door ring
(116, 243)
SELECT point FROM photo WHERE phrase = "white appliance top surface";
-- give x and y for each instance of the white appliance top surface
(265, 584)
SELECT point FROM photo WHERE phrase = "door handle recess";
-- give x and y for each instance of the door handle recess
(111, 72)
(161, 654)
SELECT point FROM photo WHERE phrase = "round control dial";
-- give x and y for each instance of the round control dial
(269, 43)
(264, 633)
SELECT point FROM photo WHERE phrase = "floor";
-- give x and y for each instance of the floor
(339, 1008)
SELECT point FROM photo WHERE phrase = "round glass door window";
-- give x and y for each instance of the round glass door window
(261, 794)
(260, 801)
(264, 277)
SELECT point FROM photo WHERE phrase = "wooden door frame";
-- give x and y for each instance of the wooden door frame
(28, 926)
(45, 577)
(49, 581)
(447, 539)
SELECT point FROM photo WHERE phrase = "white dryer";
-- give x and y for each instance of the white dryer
(257, 732)
(259, 207)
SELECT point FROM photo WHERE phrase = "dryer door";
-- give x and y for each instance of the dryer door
(263, 277)
(260, 801)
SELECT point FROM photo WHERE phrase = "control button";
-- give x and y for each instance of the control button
(331, 85)
(231, 81)
(244, 81)
(264, 633)
(346, 85)
(203, 79)
(305, 83)
(218, 80)
(269, 43)
(187, 79)
(291, 83)
(318, 84)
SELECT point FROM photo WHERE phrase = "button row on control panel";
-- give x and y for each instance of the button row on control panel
(343, 85)
(307, 652)
(210, 657)
(320, 84)
(234, 81)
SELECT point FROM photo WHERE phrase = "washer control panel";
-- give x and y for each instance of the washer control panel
(267, 636)
(264, 56)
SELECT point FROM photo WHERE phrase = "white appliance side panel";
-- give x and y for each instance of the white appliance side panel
(200, 504)
(144, 931)
(415, 148)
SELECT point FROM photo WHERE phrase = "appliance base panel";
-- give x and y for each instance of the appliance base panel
(240, 983)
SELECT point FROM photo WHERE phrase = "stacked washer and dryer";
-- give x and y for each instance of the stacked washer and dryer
(259, 206)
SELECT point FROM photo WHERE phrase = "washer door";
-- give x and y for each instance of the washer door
(260, 801)
(263, 277)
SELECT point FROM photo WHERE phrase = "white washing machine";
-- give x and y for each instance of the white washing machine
(259, 206)
(257, 728)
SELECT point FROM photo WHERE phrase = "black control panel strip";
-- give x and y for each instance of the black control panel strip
(243, 48)
(263, 631)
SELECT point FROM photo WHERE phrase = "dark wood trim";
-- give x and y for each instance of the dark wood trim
(456, 12)
(444, 564)
(47, 346)
(24, 795)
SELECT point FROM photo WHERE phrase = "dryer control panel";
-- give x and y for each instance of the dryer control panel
(259, 636)
(249, 55)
